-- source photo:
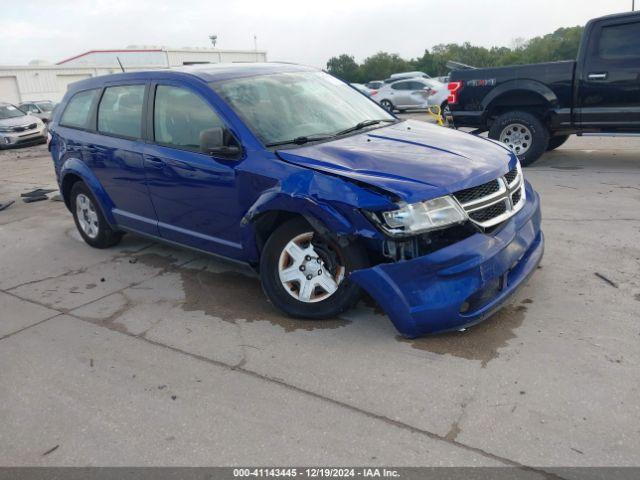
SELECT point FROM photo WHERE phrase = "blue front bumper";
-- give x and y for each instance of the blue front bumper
(462, 284)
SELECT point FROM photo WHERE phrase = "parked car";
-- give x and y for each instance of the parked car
(439, 92)
(374, 84)
(534, 108)
(41, 109)
(362, 88)
(412, 93)
(290, 170)
(18, 128)
(398, 76)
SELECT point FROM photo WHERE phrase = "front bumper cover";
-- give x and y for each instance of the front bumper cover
(18, 138)
(462, 284)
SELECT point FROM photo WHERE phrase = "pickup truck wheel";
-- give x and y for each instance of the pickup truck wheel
(387, 105)
(89, 220)
(523, 132)
(306, 276)
(556, 141)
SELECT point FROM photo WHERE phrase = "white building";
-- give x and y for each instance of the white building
(49, 82)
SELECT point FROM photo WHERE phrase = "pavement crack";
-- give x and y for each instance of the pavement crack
(8, 335)
(51, 277)
(240, 368)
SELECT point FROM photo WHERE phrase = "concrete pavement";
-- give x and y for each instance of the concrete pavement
(150, 355)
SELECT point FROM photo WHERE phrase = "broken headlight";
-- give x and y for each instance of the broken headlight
(420, 217)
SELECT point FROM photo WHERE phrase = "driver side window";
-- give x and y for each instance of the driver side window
(181, 118)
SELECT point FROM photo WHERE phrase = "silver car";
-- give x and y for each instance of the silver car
(16, 127)
(43, 109)
(405, 94)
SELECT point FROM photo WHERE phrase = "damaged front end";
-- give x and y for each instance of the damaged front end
(436, 265)
(457, 277)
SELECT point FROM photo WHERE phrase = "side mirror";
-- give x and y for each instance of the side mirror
(212, 142)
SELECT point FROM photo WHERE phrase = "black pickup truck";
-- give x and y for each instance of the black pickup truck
(534, 108)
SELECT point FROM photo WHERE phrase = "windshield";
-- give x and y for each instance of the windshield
(286, 106)
(9, 111)
(45, 106)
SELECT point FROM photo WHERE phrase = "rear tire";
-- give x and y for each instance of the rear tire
(556, 141)
(89, 219)
(524, 131)
(335, 261)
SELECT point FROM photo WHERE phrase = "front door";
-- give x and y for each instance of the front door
(194, 194)
(609, 89)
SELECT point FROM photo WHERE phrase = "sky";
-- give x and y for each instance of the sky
(289, 30)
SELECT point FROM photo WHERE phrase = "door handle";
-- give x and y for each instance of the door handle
(597, 76)
(155, 162)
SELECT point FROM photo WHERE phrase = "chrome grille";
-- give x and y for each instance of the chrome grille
(494, 202)
(474, 193)
(24, 128)
(511, 175)
(487, 213)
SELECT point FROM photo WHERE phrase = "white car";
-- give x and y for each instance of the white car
(362, 88)
(412, 93)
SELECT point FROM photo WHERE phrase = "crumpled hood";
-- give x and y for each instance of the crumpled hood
(412, 160)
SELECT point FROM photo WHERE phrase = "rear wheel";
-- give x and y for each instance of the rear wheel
(305, 275)
(556, 141)
(387, 105)
(523, 132)
(89, 220)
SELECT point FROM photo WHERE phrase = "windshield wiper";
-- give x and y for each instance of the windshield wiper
(300, 140)
(363, 124)
(314, 138)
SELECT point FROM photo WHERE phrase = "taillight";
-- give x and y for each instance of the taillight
(454, 88)
(373, 92)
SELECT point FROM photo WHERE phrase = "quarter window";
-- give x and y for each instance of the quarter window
(76, 115)
(620, 41)
(180, 117)
(120, 111)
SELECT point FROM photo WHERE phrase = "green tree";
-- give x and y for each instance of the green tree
(344, 67)
(381, 65)
(560, 45)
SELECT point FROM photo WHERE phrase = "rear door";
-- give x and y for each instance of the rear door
(401, 93)
(194, 194)
(114, 154)
(609, 83)
(419, 94)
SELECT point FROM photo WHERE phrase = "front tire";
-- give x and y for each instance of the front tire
(306, 276)
(523, 132)
(89, 219)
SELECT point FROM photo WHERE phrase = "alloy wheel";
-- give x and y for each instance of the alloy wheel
(518, 137)
(87, 216)
(304, 272)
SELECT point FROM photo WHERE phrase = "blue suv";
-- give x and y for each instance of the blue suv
(301, 176)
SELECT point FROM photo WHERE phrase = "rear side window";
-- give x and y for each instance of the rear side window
(78, 110)
(120, 111)
(401, 86)
(417, 86)
(180, 117)
(620, 41)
